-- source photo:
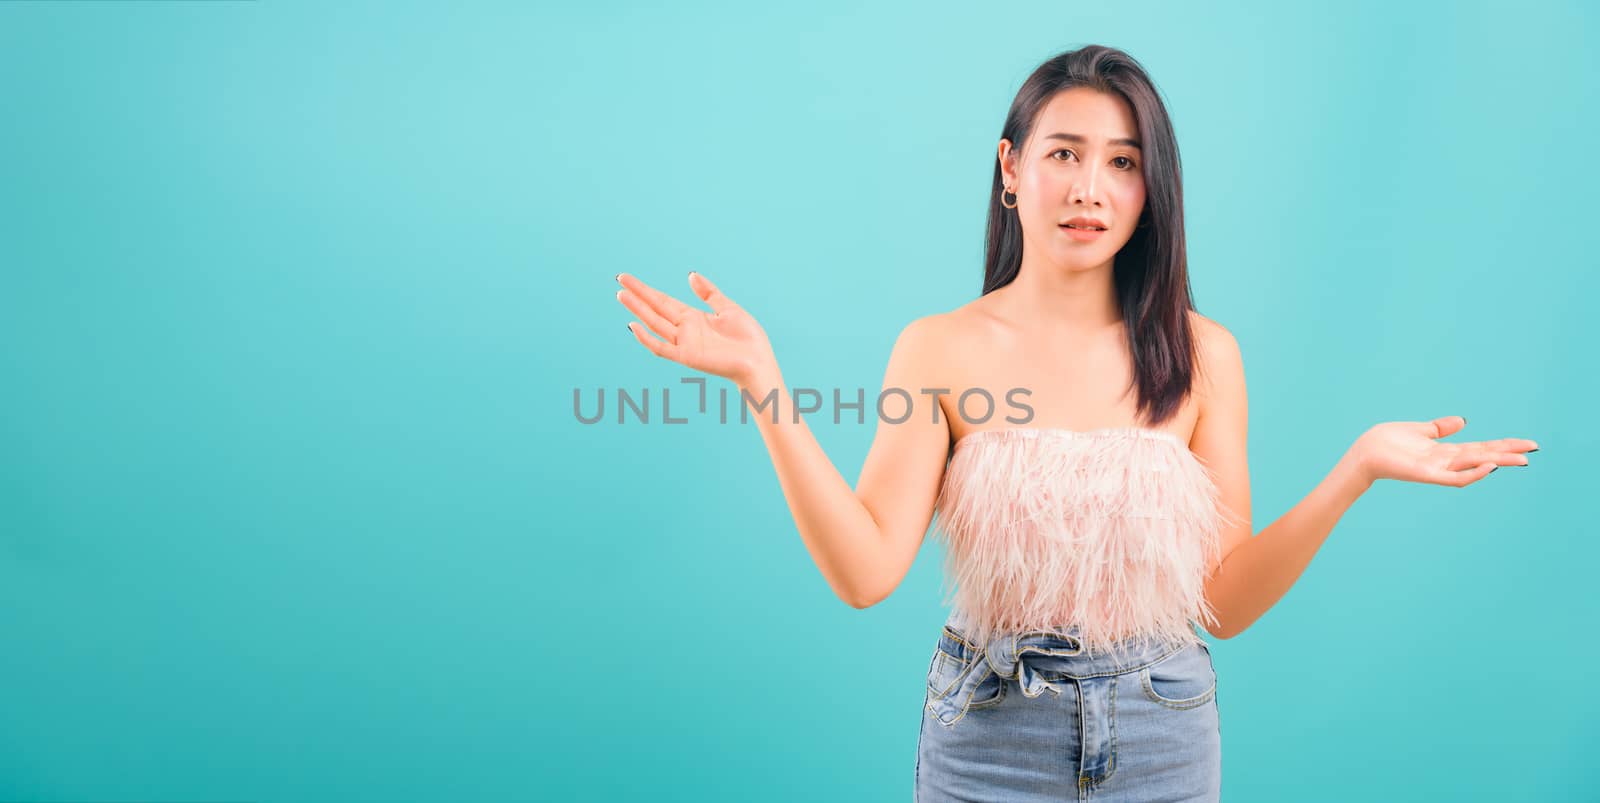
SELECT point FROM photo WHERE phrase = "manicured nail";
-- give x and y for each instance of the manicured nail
(630, 328)
(1534, 449)
(691, 274)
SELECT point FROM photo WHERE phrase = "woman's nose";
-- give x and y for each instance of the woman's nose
(1084, 185)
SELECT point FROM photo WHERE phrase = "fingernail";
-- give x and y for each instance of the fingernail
(630, 328)
(619, 278)
(1534, 449)
(691, 273)
(1493, 470)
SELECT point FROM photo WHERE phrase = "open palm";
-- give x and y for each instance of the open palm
(726, 342)
(1408, 450)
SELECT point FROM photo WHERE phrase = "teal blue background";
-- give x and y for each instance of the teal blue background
(294, 506)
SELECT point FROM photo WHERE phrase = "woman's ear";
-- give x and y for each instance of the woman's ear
(1008, 164)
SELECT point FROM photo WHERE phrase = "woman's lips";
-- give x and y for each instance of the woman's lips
(1084, 235)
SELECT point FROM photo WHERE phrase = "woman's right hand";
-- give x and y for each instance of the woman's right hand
(726, 342)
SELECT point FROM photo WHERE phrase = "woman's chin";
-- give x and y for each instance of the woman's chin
(1080, 258)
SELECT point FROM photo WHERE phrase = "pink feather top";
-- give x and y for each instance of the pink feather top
(1110, 530)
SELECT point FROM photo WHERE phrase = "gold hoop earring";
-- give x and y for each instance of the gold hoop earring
(1013, 204)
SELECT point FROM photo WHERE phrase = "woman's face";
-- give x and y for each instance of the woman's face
(1081, 159)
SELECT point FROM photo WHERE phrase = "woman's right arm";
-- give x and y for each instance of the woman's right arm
(865, 540)
(862, 540)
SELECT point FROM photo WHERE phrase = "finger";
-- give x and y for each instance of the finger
(1472, 457)
(1510, 445)
(1448, 425)
(648, 315)
(658, 347)
(1460, 479)
(708, 292)
(666, 306)
(1499, 447)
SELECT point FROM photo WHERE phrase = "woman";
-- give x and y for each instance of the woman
(1085, 546)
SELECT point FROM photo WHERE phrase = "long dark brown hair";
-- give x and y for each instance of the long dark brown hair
(1151, 272)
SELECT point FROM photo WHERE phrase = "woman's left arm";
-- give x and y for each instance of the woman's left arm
(1255, 572)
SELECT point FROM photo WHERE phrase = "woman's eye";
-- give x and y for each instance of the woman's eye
(1126, 163)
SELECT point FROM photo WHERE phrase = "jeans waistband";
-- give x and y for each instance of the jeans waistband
(1024, 656)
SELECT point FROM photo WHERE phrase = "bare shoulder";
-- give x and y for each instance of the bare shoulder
(924, 334)
(1221, 364)
(918, 346)
(936, 332)
(1211, 335)
(933, 350)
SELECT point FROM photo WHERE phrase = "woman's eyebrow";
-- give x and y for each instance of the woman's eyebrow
(1078, 138)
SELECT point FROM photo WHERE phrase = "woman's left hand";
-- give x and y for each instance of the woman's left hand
(1408, 450)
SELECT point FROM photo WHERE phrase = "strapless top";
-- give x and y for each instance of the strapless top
(1109, 532)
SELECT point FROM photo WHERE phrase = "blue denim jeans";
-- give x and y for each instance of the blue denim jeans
(1030, 717)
